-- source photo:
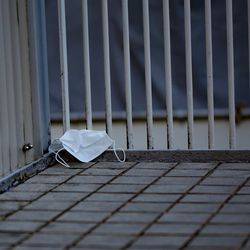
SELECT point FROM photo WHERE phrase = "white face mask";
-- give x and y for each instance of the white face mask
(85, 145)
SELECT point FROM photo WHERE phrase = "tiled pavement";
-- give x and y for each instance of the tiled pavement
(130, 206)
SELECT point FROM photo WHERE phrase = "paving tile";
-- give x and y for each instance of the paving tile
(236, 208)
(207, 198)
(144, 207)
(113, 165)
(96, 206)
(187, 172)
(81, 216)
(47, 179)
(119, 229)
(155, 165)
(215, 241)
(177, 180)
(162, 241)
(49, 239)
(195, 208)
(184, 218)
(230, 173)
(132, 217)
(226, 230)
(176, 229)
(67, 227)
(157, 197)
(206, 189)
(244, 190)
(109, 197)
(63, 196)
(195, 165)
(12, 205)
(19, 196)
(5, 213)
(90, 179)
(145, 172)
(61, 170)
(39, 247)
(77, 187)
(235, 166)
(33, 187)
(244, 198)
(166, 189)
(19, 226)
(48, 205)
(33, 215)
(10, 238)
(231, 218)
(102, 241)
(134, 180)
(121, 188)
(218, 181)
(102, 171)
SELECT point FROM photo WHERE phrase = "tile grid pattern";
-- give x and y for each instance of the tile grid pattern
(130, 206)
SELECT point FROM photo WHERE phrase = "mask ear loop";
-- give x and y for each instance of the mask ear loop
(59, 159)
(116, 155)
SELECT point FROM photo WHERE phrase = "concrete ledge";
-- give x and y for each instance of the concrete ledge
(26, 172)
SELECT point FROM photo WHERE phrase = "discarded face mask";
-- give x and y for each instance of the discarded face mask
(85, 145)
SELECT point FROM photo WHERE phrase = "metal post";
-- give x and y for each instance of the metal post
(189, 76)
(209, 62)
(107, 67)
(64, 64)
(147, 55)
(126, 50)
(230, 67)
(86, 64)
(168, 73)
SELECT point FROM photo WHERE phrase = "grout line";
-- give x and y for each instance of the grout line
(214, 214)
(71, 206)
(121, 206)
(210, 171)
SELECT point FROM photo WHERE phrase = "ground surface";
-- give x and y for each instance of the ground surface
(130, 206)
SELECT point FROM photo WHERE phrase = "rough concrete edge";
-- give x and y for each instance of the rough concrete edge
(26, 172)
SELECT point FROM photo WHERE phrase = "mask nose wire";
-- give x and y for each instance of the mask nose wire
(59, 159)
(116, 155)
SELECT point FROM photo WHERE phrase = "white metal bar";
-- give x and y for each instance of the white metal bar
(209, 62)
(168, 73)
(189, 76)
(230, 66)
(147, 55)
(127, 72)
(86, 64)
(107, 80)
(64, 64)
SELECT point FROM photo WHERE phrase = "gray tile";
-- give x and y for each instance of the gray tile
(33, 187)
(208, 189)
(236, 208)
(166, 189)
(121, 188)
(226, 230)
(184, 217)
(214, 241)
(80, 216)
(102, 171)
(144, 207)
(163, 241)
(244, 198)
(178, 180)
(19, 226)
(119, 229)
(195, 208)
(109, 197)
(244, 190)
(144, 172)
(19, 196)
(235, 166)
(230, 173)
(231, 218)
(175, 229)
(205, 198)
(10, 238)
(155, 165)
(127, 217)
(63, 196)
(113, 165)
(38, 247)
(47, 179)
(33, 215)
(12, 205)
(61, 170)
(195, 165)
(77, 187)
(96, 206)
(134, 180)
(67, 227)
(187, 172)
(90, 179)
(218, 181)
(48, 205)
(157, 197)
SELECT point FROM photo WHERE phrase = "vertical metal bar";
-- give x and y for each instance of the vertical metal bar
(230, 67)
(86, 64)
(209, 62)
(146, 32)
(64, 64)
(248, 14)
(105, 27)
(168, 73)
(126, 50)
(189, 76)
